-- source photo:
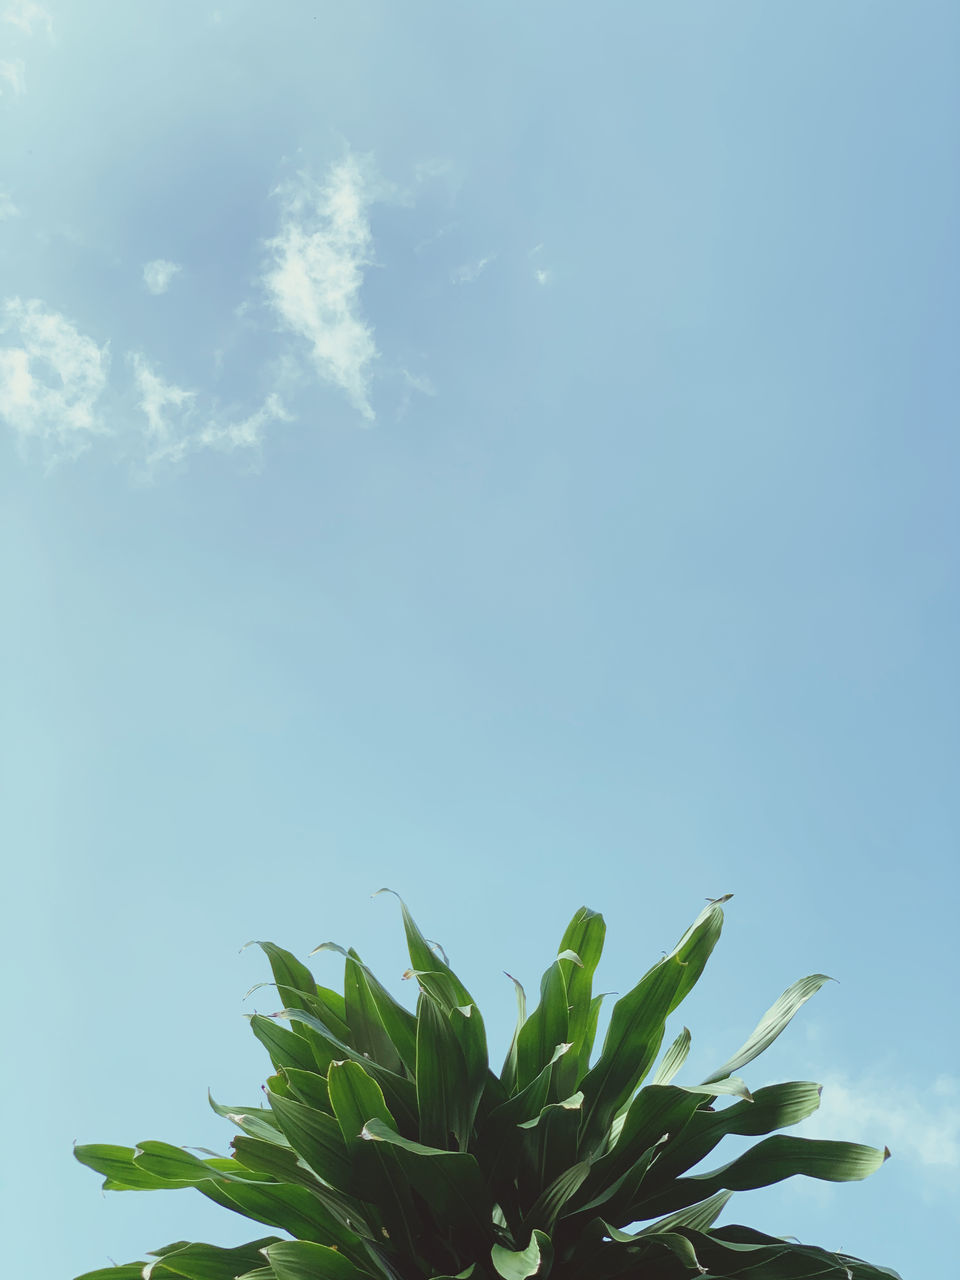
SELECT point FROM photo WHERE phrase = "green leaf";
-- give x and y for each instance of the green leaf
(286, 1048)
(443, 1092)
(388, 1029)
(294, 980)
(697, 1217)
(589, 1036)
(119, 1171)
(584, 937)
(255, 1121)
(774, 1107)
(508, 1074)
(771, 1024)
(356, 1098)
(309, 1087)
(545, 1028)
(206, 1261)
(519, 1264)
(546, 1208)
(770, 1161)
(467, 1025)
(317, 1137)
(367, 1031)
(433, 973)
(632, 1041)
(694, 950)
(673, 1059)
(300, 1260)
(449, 1181)
(399, 1092)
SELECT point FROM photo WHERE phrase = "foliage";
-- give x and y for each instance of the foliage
(389, 1150)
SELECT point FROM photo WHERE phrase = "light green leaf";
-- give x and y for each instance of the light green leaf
(301, 1260)
(519, 1264)
(673, 1059)
(771, 1024)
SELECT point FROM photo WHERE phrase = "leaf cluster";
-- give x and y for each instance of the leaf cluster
(388, 1148)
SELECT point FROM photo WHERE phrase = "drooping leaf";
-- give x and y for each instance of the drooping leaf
(206, 1261)
(368, 1033)
(433, 972)
(301, 1260)
(317, 1137)
(770, 1161)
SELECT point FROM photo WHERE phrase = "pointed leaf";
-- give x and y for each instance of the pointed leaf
(771, 1024)
(673, 1059)
(367, 1031)
(508, 1074)
(317, 1137)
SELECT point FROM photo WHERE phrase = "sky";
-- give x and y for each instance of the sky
(503, 452)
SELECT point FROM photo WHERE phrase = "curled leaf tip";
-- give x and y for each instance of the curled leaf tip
(886, 1153)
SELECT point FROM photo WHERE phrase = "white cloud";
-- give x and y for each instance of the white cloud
(158, 274)
(7, 208)
(921, 1125)
(542, 276)
(176, 427)
(315, 274)
(15, 75)
(50, 383)
(167, 407)
(471, 271)
(413, 385)
(25, 14)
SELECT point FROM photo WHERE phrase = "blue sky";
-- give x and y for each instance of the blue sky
(507, 453)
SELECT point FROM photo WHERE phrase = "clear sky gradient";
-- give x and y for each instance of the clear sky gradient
(506, 452)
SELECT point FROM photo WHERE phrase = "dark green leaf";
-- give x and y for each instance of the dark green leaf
(206, 1261)
(631, 1044)
(443, 1091)
(367, 1031)
(545, 1028)
(317, 1137)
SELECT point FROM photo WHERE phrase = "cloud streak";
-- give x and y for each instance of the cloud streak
(471, 271)
(175, 425)
(15, 75)
(921, 1125)
(158, 274)
(25, 14)
(315, 274)
(51, 379)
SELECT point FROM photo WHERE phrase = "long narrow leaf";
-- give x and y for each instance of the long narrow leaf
(773, 1022)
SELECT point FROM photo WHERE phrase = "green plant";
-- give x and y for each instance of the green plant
(388, 1149)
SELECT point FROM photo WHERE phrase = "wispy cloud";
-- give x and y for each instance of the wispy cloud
(51, 380)
(542, 275)
(7, 208)
(158, 274)
(315, 274)
(15, 75)
(26, 14)
(471, 271)
(176, 425)
(921, 1125)
(167, 408)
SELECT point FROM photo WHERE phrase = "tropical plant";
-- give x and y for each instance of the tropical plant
(389, 1150)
